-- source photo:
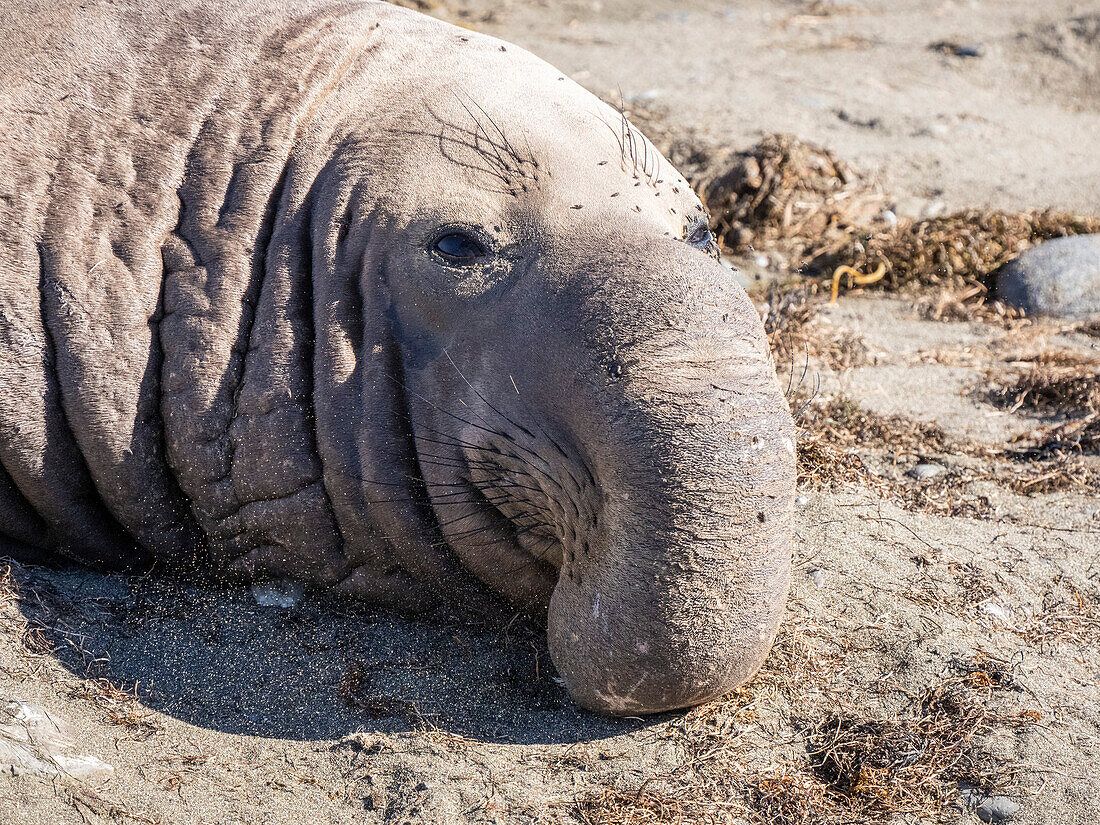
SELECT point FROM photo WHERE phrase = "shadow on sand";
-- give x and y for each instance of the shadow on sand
(215, 658)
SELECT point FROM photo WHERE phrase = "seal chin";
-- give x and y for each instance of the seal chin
(629, 641)
(650, 674)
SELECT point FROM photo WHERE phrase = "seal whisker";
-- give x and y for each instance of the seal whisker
(437, 408)
(518, 426)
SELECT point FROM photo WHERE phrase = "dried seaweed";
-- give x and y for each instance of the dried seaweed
(788, 195)
(794, 331)
(856, 766)
(1063, 386)
(958, 252)
(820, 215)
(835, 430)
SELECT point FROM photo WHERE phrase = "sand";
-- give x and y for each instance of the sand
(955, 615)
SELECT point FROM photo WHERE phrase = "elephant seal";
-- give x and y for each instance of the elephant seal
(334, 291)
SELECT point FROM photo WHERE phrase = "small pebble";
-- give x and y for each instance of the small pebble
(992, 809)
(922, 472)
(957, 49)
(997, 612)
(969, 51)
(818, 577)
(285, 594)
(997, 809)
(801, 501)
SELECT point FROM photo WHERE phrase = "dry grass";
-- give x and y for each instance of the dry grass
(969, 304)
(834, 428)
(844, 423)
(86, 800)
(1058, 384)
(1051, 389)
(1064, 617)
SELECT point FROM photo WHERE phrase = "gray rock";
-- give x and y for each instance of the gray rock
(1060, 277)
(993, 809)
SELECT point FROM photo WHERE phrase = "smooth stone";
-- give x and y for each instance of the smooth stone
(992, 809)
(923, 472)
(818, 577)
(1060, 277)
(280, 593)
(997, 809)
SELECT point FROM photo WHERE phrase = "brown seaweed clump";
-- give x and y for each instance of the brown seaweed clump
(825, 219)
(956, 252)
(788, 195)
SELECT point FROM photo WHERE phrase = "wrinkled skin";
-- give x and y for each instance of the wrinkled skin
(348, 295)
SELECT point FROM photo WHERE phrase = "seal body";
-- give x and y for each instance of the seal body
(338, 292)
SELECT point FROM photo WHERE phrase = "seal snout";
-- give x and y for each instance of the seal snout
(646, 487)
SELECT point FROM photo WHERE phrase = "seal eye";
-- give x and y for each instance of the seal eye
(459, 248)
(699, 236)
